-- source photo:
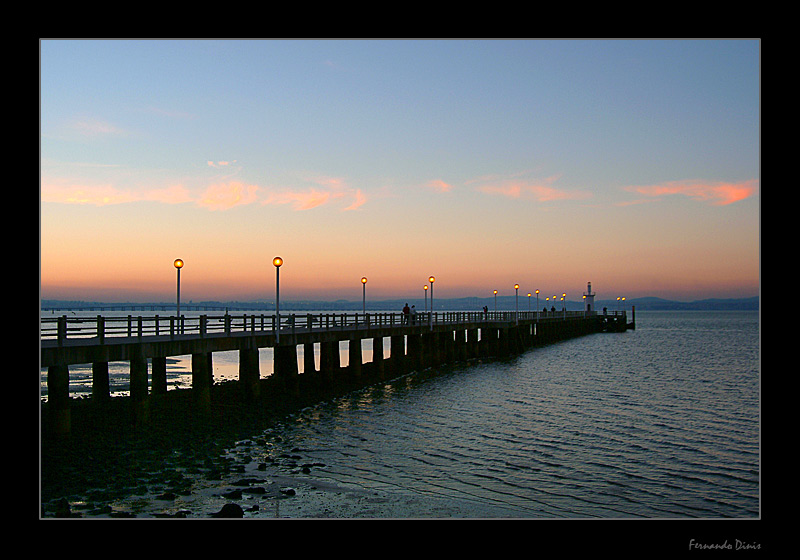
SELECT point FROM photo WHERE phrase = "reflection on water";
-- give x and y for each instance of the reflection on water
(658, 422)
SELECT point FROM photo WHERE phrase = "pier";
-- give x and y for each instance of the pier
(429, 340)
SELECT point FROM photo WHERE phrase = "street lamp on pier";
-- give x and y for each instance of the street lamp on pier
(178, 265)
(516, 303)
(277, 261)
(364, 294)
(431, 279)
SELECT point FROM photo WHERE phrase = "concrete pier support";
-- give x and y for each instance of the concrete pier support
(472, 343)
(286, 366)
(329, 362)
(101, 385)
(249, 372)
(431, 350)
(460, 345)
(138, 384)
(59, 399)
(378, 364)
(489, 341)
(397, 349)
(158, 375)
(355, 358)
(415, 353)
(309, 362)
(201, 381)
(448, 346)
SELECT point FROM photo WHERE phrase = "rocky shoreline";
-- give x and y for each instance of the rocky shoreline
(106, 458)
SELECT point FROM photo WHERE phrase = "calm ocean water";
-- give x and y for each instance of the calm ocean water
(660, 422)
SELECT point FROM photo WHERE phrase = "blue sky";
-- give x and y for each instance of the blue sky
(631, 164)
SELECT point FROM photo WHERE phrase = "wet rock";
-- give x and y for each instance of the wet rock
(229, 511)
(122, 515)
(247, 481)
(63, 509)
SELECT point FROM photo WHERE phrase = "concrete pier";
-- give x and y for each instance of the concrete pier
(431, 342)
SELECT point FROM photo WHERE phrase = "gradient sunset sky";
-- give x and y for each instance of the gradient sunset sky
(631, 164)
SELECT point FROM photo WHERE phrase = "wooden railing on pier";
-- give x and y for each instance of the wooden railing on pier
(78, 329)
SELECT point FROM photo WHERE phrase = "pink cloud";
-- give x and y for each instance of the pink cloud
(94, 127)
(538, 190)
(439, 185)
(223, 196)
(716, 193)
(98, 195)
(360, 199)
(301, 200)
(175, 194)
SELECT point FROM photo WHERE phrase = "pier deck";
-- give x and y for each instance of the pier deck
(431, 339)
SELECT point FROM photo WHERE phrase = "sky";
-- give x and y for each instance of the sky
(630, 164)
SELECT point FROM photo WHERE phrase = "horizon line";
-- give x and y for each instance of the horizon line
(374, 301)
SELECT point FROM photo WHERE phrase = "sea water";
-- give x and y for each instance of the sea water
(658, 422)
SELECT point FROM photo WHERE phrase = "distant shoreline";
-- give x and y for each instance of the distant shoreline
(504, 303)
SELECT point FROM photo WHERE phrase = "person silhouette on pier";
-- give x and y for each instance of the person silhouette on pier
(413, 314)
(406, 311)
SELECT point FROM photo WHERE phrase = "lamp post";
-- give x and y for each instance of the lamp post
(277, 261)
(537, 306)
(178, 265)
(431, 279)
(495, 301)
(425, 291)
(516, 303)
(364, 294)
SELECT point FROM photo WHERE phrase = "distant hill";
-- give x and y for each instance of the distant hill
(504, 303)
(658, 304)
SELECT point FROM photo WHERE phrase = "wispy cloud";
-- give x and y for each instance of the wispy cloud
(222, 196)
(105, 194)
(716, 193)
(326, 190)
(301, 200)
(541, 190)
(220, 164)
(96, 127)
(439, 185)
(359, 201)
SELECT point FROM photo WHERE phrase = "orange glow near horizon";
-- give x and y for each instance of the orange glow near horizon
(384, 178)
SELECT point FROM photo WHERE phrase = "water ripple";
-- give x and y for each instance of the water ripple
(658, 422)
